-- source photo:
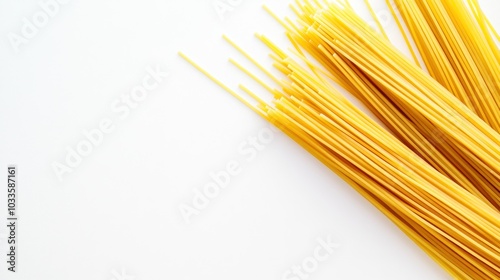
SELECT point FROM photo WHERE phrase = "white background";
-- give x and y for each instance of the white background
(116, 216)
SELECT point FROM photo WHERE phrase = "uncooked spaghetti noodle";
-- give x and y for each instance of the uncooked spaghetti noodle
(411, 175)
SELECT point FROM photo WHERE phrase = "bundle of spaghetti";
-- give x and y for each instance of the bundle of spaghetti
(457, 229)
(459, 51)
(398, 91)
(430, 146)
